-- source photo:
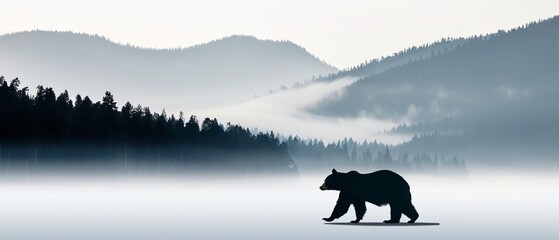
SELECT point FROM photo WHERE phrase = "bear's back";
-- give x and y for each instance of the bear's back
(379, 187)
(387, 178)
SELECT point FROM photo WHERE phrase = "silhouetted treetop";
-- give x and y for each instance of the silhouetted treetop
(51, 128)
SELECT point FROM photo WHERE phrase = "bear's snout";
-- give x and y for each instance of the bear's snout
(323, 187)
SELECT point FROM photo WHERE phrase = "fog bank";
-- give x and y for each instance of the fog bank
(286, 112)
(502, 205)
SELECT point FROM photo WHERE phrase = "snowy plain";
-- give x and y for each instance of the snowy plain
(507, 205)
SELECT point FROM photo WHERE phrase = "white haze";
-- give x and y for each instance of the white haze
(344, 33)
(285, 112)
(504, 205)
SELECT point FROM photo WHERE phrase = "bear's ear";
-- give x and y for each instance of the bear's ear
(334, 171)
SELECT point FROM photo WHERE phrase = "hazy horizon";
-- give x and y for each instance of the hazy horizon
(343, 34)
(499, 205)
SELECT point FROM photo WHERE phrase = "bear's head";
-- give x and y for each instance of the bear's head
(333, 181)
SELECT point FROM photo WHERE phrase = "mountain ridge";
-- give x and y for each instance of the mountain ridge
(248, 65)
(493, 97)
(472, 52)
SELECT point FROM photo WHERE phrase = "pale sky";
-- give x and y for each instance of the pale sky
(343, 33)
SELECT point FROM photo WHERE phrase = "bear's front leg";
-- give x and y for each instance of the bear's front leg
(360, 210)
(339, 210)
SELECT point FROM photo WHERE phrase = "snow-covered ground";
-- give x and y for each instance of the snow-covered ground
(482, 206)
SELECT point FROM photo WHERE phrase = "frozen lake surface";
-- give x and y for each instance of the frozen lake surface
(481, 206)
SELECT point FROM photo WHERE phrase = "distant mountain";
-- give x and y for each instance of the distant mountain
(513, 67)
(494, 91)
(412, 54)
(225, 71)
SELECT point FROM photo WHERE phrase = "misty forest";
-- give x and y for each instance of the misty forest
(455, 105)
(242, 137)
(483, 97)
(46, 129)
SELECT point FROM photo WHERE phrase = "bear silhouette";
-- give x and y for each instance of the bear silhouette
(380, 188)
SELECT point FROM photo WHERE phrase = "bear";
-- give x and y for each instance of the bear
(380, 188)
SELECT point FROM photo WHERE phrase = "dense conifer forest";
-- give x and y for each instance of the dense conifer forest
(49, 129)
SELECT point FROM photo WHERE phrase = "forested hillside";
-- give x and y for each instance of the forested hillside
(46, 130)
(497, 90)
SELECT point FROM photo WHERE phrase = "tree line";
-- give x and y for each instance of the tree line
(47, 129)
(314, 154)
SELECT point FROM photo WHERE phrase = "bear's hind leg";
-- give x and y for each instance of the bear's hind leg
(410, 212)
(395, 213)
(360, 210)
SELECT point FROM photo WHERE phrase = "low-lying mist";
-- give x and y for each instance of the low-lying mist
(286, 112)
(488, 204)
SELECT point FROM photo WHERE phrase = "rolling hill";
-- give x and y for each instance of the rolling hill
(215, 74)
(510, 67)
(494, 93)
